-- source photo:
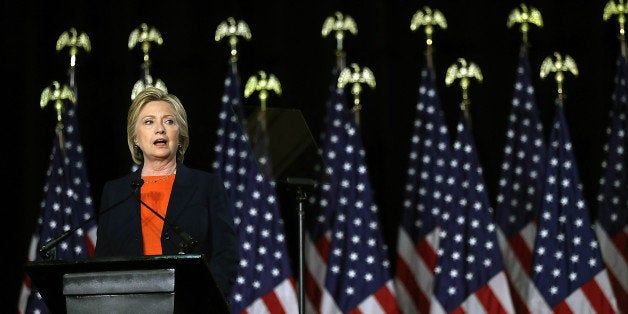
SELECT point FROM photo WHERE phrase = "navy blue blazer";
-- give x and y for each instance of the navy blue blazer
(198, 204)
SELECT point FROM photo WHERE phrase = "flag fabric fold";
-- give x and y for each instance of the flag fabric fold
(427, 195)
(67, 202)
(323, 207)
(520, 185)
(567, 268)
(347, 262)
(264, 283)
(612, 213)
(469, 274)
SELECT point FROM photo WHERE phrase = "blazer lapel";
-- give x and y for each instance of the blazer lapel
(182, 190)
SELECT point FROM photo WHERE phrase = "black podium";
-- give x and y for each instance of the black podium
(146, 284)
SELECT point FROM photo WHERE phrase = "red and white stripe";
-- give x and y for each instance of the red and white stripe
(595, 296)
(517, 256)
(381, 302)
(319, 300)
(414, 279)
(615, 253)
(282, 299)
(494, 297)
(316, 255)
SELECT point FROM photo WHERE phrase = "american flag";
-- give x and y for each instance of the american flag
(353, 256)
(264, 283)
(520, 186)
(612, 213)
(567, 268)
(428, 194)
(469, 274)
(66, 203)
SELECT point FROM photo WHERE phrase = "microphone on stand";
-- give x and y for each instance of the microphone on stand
(188, 244)
(48, 246)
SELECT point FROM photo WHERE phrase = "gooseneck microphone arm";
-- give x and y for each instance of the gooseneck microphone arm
(47, 247)
(188, 244)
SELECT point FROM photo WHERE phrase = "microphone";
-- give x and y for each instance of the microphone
(188, 244)
(47, 247)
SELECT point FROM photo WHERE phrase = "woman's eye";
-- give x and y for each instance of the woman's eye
(148, 122)
(170, 121)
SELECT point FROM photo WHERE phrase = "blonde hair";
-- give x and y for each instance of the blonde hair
(155, 94)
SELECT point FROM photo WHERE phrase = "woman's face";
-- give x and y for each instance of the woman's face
(157, 131)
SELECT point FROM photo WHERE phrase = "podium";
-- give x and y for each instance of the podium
(143, 284)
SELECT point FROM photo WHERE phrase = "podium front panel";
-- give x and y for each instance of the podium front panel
(137, 291)
(139, 303)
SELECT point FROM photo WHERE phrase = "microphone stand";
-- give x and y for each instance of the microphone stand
(300, 197)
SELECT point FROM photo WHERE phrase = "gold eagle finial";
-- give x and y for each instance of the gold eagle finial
(57, 93)
(558, 65)
(463, 71)
(524, 16)
(356, 76)
(428, 18)
(620, 9)
(339, 24)
(145, 35)
(74, 40)
(262, 83)
(232, 29)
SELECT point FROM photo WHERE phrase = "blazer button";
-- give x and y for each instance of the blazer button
(166, 236)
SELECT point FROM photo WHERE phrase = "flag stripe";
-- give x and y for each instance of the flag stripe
(426, 248)
(522, 251)
(518, 302)
(409, 288)
(518, 275)
(579, 300)
(415, 281)
(386, 298)
(621, 241)
(473, 304)
(617, 265)
(620, 293)
(413, 284)
(562, 308)
(287, 297)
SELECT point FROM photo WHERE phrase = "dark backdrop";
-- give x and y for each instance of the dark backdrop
(286, 41)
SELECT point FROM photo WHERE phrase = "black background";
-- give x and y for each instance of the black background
(287, 42)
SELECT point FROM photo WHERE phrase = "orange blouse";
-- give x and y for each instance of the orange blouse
(156, 193)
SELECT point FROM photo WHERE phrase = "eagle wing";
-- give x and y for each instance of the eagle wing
(251, 86)
(221, 31)
(547, 66)
(344, 77)
(570, 65)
